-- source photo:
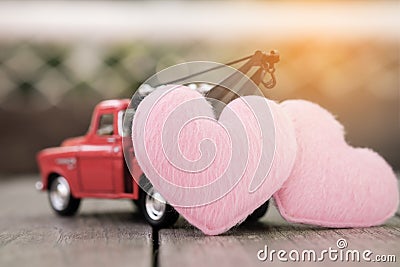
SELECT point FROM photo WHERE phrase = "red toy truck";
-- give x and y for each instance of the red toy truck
(93, 166)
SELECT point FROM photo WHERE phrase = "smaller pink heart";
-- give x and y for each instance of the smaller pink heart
(214, 172)
(333, 184)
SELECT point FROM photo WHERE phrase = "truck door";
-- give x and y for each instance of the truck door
(99, 160)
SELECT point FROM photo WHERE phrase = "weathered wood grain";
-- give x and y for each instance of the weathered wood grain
(104, 233)
(186, 246)
(112, 233)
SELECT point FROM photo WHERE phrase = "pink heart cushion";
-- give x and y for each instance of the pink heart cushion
(333, 184)
(214, 172)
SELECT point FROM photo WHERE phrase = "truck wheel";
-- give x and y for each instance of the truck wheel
(258, 213)
(61, 199)
(155, 209)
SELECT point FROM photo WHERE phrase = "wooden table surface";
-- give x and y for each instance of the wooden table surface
(113, 233)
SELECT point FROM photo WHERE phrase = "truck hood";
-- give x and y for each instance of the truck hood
(73, 141)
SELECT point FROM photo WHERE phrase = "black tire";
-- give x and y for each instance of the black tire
(64, 204)
(159, 215)
(258, 213)
(136, 203)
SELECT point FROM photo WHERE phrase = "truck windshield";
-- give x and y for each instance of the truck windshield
(124, 126)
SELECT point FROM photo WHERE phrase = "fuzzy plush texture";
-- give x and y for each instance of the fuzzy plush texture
(231, 148)
(333, 184)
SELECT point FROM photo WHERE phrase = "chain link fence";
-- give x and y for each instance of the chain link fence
(48, 89)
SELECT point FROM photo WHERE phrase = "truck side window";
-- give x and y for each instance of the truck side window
(106, 125)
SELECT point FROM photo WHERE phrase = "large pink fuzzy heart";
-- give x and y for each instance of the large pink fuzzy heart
(333, 184)
(214, 172)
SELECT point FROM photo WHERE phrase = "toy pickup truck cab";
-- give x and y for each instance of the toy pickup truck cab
(93, 166)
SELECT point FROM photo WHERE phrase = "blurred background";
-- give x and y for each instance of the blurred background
(58, 59)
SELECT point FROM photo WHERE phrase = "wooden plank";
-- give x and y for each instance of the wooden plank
(110, 232)
(104, 233)
(184, 245)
